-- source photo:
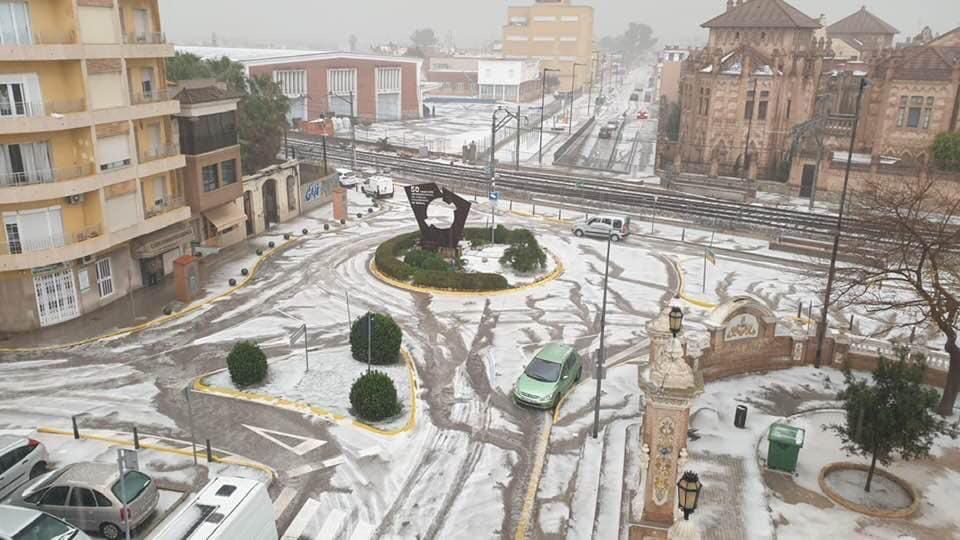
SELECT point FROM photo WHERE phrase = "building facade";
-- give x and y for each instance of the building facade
(454, 75)
(272, 195)
(555, 32)
(509, 80)
(209, 141)
(863, 31)
(667, 73)
(369, 87)
(90, 199)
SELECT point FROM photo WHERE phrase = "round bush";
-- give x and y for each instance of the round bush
(374, 397)
(247, 364)
(524, 253)
(385, 340)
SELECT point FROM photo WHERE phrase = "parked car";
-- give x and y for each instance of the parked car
(242, 507)
(348, 178)
(549, 376)
(642, 115)
(616, 227)
(378, 187)
(605, 133)
(635, 96)
(88, 495)
(21, 459)
(26, 524)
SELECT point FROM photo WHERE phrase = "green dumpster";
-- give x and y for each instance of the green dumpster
(785, 444)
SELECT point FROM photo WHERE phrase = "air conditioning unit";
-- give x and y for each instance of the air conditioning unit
(86, 259)
(75, 199)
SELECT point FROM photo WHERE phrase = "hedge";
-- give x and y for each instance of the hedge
(426, 260)
(461, 281)
(386, 256)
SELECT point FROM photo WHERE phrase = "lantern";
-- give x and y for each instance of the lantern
(688, 493)
(676, 320)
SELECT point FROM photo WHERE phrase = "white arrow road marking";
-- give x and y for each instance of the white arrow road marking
(309, 468)
(307, 445)
(283, 500)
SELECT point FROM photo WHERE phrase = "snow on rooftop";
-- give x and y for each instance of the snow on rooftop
(708, 69)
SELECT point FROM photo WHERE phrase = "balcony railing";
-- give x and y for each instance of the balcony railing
(16, 109)
(34, 38)
(145, 38)
(153, 96)
(27, 245)
(162, 206)
(159, 152)
(44, 177)
(209, 143)
(839, 125)
(114, 165)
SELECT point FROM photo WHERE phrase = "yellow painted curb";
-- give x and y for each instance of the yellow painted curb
(166, 449)
(557, 272)
(199, 385)
(534, 483)
(164, 318)
(682, 292)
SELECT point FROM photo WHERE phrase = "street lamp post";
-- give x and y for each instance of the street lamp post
(746, 144)
(822, 327)
(573, 86)
(688, 493)
(602, 353)
(353, 127)
(543, 93)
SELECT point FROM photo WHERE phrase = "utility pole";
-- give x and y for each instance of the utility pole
(590, 90)
(517, 156)
(822, 327)
(602, 353)
(746, 146)
(543, 93)
(353, 126)
(573, 86)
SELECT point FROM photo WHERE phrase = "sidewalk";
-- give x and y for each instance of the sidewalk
(140, 306)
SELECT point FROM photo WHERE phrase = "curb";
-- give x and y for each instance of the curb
(682, 289)
(303, 407)
(397, 284)
(229, 460)
(164, 318)
(898, 513)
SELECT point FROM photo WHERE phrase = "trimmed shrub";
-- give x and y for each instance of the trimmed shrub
(386, 256)
(247, 364)
(524, 255)
(946, 151)
(373, 397)
(426, 260)
(385, 340)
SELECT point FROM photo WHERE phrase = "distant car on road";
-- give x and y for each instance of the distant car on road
(26, 524)
(348, 178)
(378, 187)
(642, 115)
(605, 133)
(21, 459)
(635, 96)
(548, 377)
(88, 495)
(616, 227)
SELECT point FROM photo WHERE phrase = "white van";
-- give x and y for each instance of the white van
(225, 509)
(379, 187)
(614, 227)
(348, 178)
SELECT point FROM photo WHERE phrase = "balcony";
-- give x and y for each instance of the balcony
(155, 96)
(49, 176)
(32, 117)
(839, 125)
(145, 38)
(88, 242)
(40, 46)
(208, 143)
(165, 205)
(27, 246)
(154, 153)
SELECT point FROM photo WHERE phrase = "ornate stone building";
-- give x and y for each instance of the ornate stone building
(742, 93)
(862, 31)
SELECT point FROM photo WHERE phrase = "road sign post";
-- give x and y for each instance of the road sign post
(297, 334)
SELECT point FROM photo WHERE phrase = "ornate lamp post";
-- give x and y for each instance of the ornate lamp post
(676, 320)
(688, 493)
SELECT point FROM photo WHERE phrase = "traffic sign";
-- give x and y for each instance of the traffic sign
(297, 334)
(494, 196)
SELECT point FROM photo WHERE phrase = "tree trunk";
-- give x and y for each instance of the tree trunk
(945, 408)
(873, 466)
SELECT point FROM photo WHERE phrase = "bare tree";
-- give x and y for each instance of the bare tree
(906, 239)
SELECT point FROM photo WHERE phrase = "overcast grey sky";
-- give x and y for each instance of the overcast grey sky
(328, 23)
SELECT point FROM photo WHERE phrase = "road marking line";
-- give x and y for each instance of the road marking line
(310, 468)
(307, 445)
(283, 501)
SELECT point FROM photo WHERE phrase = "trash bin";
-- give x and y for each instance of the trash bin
(740, 418)
(785, 444)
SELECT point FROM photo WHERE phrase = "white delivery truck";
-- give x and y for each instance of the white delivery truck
(225, 509)
(379, 187)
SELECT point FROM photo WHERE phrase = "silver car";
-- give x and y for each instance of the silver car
(614, 227)
(88, 495)
(26, 524)
(21, 459)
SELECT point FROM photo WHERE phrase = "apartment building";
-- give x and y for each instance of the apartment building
(555, 32)
(89, 196)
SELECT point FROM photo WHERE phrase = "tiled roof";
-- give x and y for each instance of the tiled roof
(205, 94)
(924, 64)
(861, 22)
(762, 14)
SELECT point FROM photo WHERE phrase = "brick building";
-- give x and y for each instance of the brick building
(454, 75)
(370, 87)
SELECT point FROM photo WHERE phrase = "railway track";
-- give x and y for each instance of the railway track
(595, 189)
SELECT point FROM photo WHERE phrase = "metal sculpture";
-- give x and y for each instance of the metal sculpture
(431, 236)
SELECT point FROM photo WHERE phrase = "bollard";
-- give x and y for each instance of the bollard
(209, 452)
(167, 310)
(560, 214)
(326, 226)
(259, 251)
(800, 310)
(136, 439)
(286, 236)
(232, 282)
(244, 271)
(343, 222)
(76, 431)
(369, 210)
(359, 215)
(534, 211)
(683, 235)
(304, 231)
(270, 244)
(740, 418)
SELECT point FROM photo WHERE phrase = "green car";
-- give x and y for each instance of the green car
(548, 376)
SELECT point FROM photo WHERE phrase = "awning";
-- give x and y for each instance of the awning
(225, 215)
(162, 241)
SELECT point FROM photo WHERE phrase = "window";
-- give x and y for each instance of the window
(104, 277)
(134, 482)
(914, 112)
(293, 82)
(388, 80)
(25, 163)
(12, 102)
(101, 500)
(762, 111)
(902, 111)
(545, 18)
(211, 180)
(228, 172)
(342, 85)
(569, 18)
(927, 112)
(15, 23)
(33, 230)
(82, 497)
(291, 193)
(704, 101)
(55, 496)
(748, 110)
(113, 152)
